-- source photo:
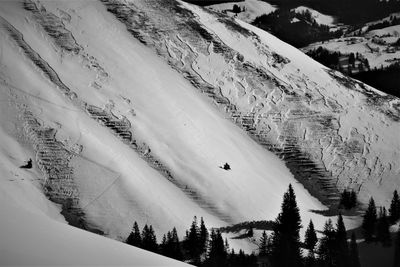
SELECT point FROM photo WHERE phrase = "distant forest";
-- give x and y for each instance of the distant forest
(384, 79)
(347, 11)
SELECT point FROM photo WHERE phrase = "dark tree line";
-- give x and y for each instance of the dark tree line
(348, 199)
(283, 247)
(199, 247)
(349, 12)
(297, 29)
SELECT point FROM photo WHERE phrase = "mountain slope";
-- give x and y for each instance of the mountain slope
(128, 113)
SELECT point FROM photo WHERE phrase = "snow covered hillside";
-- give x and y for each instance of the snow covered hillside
(378, 46)
(251, 9)
(317, 16)
(130, 108)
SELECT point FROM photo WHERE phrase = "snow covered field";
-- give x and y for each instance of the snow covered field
(116, 134)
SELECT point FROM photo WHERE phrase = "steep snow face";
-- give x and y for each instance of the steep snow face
(332, 132)
(129, 109)
(118, 134)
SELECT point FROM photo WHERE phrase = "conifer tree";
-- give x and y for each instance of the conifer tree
(134, 238)
(203, 236)
(341, 251)
(176, 250)
(369, 222)
(217, 255)
(382, 229)
(149, 240)
(192, 242)
(354, 258)
(394, 209)
(263, 247)
(327, 245)
(310, 239)
(286, 241)
(250, 232)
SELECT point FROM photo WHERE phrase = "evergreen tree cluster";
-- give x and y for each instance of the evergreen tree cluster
(348, 199)
(376, 226)
(199, 247)
(283, 247)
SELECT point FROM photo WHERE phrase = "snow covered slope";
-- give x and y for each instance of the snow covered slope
(252, 9)
(317, 16)
(375, 45)
(30, 239)
(129, 108)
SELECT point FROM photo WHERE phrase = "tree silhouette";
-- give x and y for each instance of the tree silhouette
(382, 229)
(310, 239)
(203, 236)
(394, 209)
(369, 222)
(134, 238)
(286, 241)
(263, 247)
(327, 245)
(342, 249)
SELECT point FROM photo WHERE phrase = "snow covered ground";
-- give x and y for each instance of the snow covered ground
(319, 18)
(374, 45)
(116, 134)
(29, 237)
(253, 9)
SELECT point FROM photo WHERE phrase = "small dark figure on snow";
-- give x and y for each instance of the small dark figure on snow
(28, 165)
(226, 167)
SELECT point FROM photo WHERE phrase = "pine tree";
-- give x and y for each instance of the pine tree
(327, 245)
(342, 250)
(217, 255)
(149, 240)
(369, 222)
(394, 209)
(310, 239)
(250, 232)
(176, 250)
(382, 229)
(164, 246)
(192, 242)
(203, 236)
(263, 247)
(134, 238)
(354, 258)
(286, 241)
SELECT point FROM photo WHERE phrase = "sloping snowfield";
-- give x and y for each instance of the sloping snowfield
(117, 133)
